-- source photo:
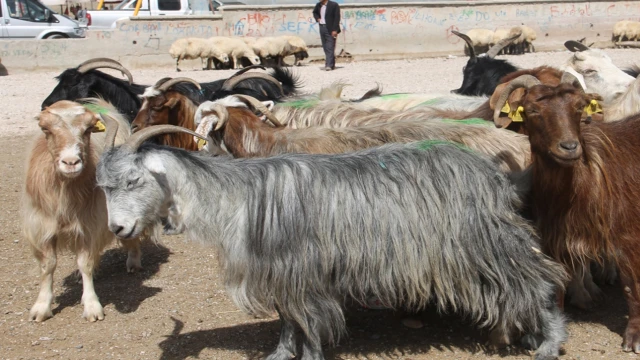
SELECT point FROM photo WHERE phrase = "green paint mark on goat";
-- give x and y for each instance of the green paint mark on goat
(96, 109)
(430, 102)
(428, 144)
(472, 121)
(393, 96)
(301, 104)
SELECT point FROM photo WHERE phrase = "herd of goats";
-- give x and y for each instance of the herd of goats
(491, 202)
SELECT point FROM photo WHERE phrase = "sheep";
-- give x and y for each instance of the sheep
(620, 31)
(243, 134)
(236, 49)
(196, 48)
(61, 208)
(300, 50)
(482, 74)
(596, 72)
(481, 40)
(584, 184)
(84, 81)
(498, 35)
(272, 47)
(300, 233)
(524, 43)
(170, 101)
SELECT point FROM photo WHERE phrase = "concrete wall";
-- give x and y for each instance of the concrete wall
(369, 31)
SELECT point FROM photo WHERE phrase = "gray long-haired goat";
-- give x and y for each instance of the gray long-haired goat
(299, 233)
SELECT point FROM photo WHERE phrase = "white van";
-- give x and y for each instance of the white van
(31, 19)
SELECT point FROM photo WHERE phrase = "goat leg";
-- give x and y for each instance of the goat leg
(631, 336)
(581, 296)
(287, 346)
(47, 259)
(92, 308)
(311, 346)
(134, 254)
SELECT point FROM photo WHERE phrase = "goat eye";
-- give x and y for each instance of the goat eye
(589, 72)
(132, 183)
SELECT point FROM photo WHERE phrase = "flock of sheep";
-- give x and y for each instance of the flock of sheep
(490, 202)
(235, 52)
(482, 39)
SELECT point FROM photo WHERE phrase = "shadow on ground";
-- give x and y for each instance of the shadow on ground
(113, 284)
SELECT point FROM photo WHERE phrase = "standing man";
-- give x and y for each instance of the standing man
(327, 14)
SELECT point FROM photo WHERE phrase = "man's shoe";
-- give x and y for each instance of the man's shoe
(327, 69)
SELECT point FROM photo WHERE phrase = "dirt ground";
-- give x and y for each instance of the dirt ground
(176, 308)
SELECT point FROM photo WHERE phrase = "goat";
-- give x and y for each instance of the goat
(84, 81)
(299, 233)
(243, 134)
(168, 103)
(61, 207)
(584, 184)
(482, 74)
(596, 72)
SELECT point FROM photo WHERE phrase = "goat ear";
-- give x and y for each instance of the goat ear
(154, 164)
(514, 101)
(268, 104)
(171, 102)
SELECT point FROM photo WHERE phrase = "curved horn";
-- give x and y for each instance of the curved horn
(260, 107)
(222, 114)
(112, 129)
(472, 52)
(104, 63)
(574, 46)
(169, 83)
(135, 140)
(495, 49)
(231, 82)
(525, 81)
(245, 69)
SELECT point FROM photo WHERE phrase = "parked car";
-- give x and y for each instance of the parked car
(31, 19)
(106, 19)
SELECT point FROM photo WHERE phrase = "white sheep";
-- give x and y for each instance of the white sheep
(300, 50)
(63, 209)
(195, 48)
(620, 31)
(272, 47)
(481, 39)
(236, 49)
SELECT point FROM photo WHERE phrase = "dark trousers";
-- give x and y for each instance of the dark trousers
(329, 46)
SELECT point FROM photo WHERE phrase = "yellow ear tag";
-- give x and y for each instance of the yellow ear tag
(516, 116)
(593, 107)
(506, 108)
(99, 127)
(201, 143)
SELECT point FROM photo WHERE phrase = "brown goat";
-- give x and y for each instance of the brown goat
(245, 135)
(163, 105)
(546, 74)
(62, 207)
(585, 185)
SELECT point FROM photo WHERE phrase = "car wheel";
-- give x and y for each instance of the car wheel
(55, 36)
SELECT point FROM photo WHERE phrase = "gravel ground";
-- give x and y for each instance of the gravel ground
(176, 308)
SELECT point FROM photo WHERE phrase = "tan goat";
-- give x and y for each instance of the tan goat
(63, 208)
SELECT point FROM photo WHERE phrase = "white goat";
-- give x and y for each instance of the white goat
(236, 49)
(62, 206)
(596, 72)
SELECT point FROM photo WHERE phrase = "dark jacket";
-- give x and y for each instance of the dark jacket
(332, 16)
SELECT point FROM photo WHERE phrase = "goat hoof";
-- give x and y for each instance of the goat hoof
(40, 312)
(93, 311)
(631, 339)
(531, 342)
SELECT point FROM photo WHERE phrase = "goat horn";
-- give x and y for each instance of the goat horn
(231, 82)
(525, 81)
(495, 49)
(169, 83)
(112, 129)
(98, 63)
(256, 104)
(222, 114)
(569, 78)
(244, 70)
(574, 46)
(135, 140)
(472, 52)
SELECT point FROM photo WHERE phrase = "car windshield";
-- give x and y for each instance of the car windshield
(131, 5)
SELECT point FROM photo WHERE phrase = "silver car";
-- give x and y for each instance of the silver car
(32, 19)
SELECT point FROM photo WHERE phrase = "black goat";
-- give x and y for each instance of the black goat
(482, 73)
(84, 82)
